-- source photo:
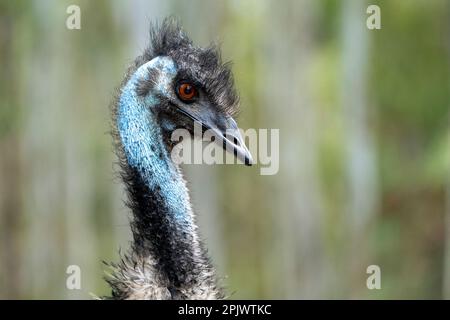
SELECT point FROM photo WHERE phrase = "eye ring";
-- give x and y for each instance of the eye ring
(186, 91)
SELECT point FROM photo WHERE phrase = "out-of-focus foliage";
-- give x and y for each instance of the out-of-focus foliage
(364, 145)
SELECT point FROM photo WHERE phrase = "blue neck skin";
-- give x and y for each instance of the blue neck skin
(143, 143)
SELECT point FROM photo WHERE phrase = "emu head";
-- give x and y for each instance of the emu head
(184, 84)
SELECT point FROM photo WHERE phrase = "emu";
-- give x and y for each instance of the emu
(173, 84)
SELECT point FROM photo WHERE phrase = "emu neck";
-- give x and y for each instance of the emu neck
(171, 260)
(147, 155)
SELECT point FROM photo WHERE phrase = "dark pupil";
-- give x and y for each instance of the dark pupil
(187, 89)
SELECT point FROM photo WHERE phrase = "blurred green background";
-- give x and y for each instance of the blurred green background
(364, 146)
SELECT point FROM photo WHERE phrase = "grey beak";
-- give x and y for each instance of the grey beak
(225, 131)
(232, 141)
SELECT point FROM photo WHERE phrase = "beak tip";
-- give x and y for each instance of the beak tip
(248, 161)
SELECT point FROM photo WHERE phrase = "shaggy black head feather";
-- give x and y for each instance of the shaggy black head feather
(202, 66)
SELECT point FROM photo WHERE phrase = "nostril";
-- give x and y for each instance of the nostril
(233, 138)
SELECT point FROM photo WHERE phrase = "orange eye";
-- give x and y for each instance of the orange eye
(186, 92)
